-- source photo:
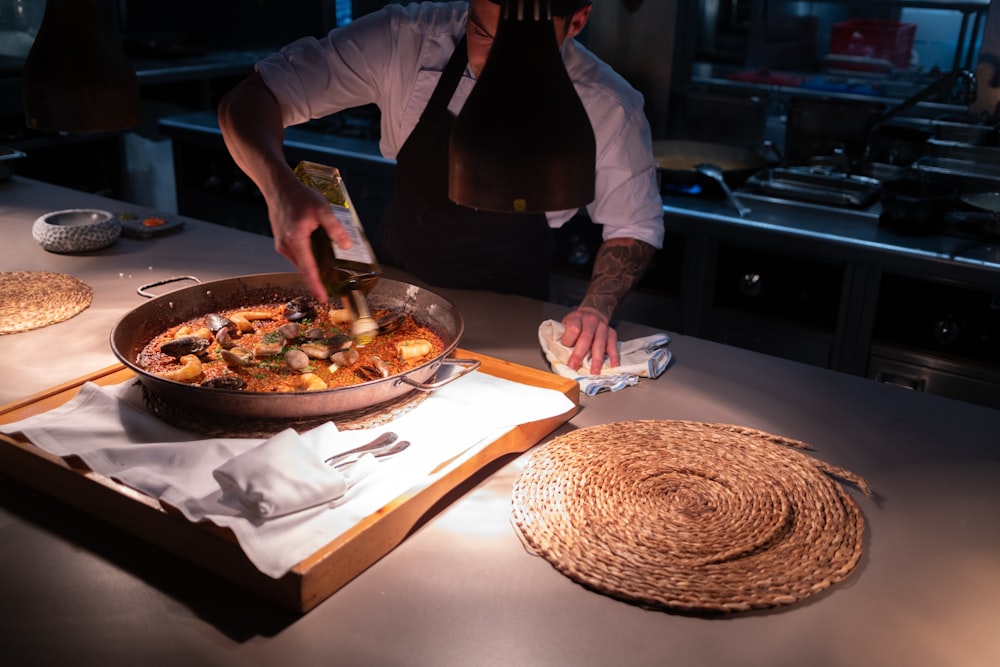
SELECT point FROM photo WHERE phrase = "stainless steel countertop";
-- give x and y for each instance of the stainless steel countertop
(462, 590)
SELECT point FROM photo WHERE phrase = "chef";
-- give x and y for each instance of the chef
(417, 63)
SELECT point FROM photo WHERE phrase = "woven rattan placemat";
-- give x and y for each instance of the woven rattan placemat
(35, 299)
(688, 516)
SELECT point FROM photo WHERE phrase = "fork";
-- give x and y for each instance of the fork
(382, 446)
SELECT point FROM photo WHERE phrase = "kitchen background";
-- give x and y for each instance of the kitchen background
(796, 84)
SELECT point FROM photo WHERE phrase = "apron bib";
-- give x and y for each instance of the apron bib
(447, 245)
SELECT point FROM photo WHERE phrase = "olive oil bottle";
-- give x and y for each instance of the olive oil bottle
(350, 273)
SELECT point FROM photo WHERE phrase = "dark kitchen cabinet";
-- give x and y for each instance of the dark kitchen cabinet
(90, 163)
(830, 289)
(780, 304)
(939, 337)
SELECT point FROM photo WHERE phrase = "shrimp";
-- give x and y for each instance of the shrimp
(189, 370)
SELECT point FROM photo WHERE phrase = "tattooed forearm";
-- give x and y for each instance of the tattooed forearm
(619, 265)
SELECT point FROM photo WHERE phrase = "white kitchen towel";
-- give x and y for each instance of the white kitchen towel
(109, 429)
(647, 356)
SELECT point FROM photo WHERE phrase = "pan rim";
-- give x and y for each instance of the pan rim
(293, 280)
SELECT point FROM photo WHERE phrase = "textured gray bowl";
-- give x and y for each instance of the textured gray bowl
(76, 230)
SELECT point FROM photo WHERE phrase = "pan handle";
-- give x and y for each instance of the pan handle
(470, 365)
(142, 290)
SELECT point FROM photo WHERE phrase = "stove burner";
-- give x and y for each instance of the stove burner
(677, 188)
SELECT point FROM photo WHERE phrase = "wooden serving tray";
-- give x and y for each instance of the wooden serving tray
(216, 549)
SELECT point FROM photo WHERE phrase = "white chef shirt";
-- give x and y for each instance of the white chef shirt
(394, 59)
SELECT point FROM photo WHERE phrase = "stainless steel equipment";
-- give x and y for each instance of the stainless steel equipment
(818, 185)
(963, 85)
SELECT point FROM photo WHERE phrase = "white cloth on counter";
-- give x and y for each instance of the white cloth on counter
(109, 429)
(647, 357)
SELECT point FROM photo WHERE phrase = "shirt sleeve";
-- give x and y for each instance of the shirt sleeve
(627, 201)
(312, 78)
(384, 58)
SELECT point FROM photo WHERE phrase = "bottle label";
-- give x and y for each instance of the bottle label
(359, 250)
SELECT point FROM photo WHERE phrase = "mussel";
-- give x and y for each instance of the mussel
(216, 322)
(236, 357)
(389, 323)
(225, 382)
(340, 341)
(224, 338)
(179, 347)
(315, 333)
(300, 308)
(376, 370)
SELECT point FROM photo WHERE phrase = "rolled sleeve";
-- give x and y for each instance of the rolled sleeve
(312, 78)
(382, 58)
(627, 202)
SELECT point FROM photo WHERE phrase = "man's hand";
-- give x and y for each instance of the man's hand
(251, 122)
(295, 214)
(588, 333)
(617, 268)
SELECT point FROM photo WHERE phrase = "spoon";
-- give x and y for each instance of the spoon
(715, 173)
(341, 462)
(384, 445)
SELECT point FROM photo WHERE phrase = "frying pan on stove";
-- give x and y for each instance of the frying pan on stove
(678, 161)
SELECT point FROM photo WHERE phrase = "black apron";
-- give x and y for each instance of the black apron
(447, 245)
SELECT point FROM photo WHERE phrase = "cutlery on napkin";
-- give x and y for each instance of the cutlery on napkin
(287, 473)
(647, 356)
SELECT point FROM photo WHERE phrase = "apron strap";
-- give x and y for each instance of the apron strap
(450, 76)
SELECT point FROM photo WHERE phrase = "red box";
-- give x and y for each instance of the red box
(874, 38)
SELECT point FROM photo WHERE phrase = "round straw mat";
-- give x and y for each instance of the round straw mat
(35, 299)
(688, 516)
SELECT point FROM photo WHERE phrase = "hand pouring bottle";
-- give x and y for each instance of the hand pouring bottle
(350, 273)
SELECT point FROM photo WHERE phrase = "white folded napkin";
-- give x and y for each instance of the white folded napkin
(640, 357)
(287, 474)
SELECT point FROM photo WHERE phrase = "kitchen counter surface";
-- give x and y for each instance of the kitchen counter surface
(852, 234)
(462, 590)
